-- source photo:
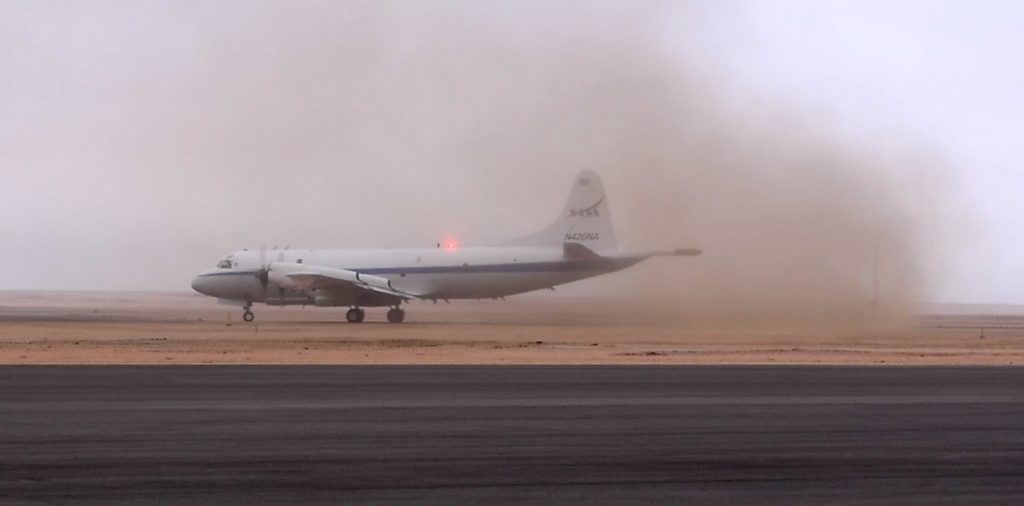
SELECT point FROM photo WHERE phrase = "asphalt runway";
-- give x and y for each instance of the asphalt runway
(511, 435)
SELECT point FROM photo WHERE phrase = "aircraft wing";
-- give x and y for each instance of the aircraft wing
(314, 277)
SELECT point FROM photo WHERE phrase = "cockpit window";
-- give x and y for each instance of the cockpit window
(224, 264)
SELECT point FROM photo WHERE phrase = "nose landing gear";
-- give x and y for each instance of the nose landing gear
(247, 315)
(355, 315)
(396, 315)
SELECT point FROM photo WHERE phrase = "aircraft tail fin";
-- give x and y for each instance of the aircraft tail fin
(585, 219)
(577, 251)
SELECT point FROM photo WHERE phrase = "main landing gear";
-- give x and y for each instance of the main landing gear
(396, 315)
(355, 315)
(247, 315)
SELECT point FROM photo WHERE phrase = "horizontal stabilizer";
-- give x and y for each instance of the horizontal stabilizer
(687, 252)
(678, 252)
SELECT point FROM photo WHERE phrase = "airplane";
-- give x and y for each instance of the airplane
(579, 244)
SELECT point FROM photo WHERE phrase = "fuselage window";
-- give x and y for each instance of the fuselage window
(300, 261)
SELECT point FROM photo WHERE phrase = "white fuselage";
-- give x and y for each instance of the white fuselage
(579, 243)
(434, 273)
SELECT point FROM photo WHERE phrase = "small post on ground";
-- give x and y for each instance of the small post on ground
(874, 274)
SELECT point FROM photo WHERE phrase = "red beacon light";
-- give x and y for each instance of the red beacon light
(450, 244)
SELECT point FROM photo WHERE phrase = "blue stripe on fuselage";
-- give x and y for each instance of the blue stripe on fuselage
(227, 273)
(582, 265)
(588, 265)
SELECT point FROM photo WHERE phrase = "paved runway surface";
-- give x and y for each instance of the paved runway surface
(511, 435)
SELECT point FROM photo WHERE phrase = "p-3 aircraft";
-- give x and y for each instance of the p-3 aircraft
(579, 244)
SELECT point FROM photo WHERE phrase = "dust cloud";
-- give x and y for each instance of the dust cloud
(364, 124)
(800, 226)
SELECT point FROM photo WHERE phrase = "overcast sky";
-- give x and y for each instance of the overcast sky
(141, 141)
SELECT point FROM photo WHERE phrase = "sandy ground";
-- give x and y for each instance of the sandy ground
(148, 328)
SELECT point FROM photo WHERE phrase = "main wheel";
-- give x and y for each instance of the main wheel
(355, 315)
(248, 316)
(396, 315)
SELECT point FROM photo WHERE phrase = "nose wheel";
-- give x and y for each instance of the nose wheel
(355, 315)
(396, 315)
(247, 315)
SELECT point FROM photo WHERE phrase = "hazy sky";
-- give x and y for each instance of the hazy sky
(140, 141)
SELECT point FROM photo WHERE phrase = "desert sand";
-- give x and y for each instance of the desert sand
(181, 328)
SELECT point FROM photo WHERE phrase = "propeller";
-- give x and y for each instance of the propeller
(264, 276)
(263, 273)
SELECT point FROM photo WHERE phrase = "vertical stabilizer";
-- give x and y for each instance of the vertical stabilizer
(585, 220)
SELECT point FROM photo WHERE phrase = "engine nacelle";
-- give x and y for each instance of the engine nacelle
(278, 276)
(370, 279)
(324, 300)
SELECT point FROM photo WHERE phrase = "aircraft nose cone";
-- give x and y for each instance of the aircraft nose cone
(201, 285)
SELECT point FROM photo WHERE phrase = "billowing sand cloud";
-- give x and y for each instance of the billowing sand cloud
(198, 129)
